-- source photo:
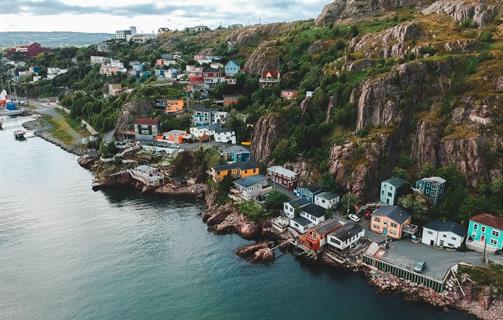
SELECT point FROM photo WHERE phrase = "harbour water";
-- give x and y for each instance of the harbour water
(67, 252)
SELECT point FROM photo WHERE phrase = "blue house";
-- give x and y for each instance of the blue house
(392, 189)
(231, 69)
(485, 232)
(236, 154)
(433, 188)
(201, 116)
(307, 192)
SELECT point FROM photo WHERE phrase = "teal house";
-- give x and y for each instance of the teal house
(231, 69)
(392, 189)
(485, 232)
(433, 188)
(236, 154)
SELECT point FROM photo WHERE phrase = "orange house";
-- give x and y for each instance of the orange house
(174, 136)
(171, 105)
(390, 221)
(316, 237)
(235, 170)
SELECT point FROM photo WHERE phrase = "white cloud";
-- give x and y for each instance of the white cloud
(148, 15)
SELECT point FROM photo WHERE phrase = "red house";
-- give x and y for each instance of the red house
(316, 237)
(269, 78)
(30, 50)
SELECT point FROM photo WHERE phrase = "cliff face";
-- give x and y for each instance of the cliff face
(389, 105)
(265, 56)
(349, 9)
(130, 111)
(266, 134)
(481, 12)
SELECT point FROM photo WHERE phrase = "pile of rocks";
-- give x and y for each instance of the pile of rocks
(256, 253)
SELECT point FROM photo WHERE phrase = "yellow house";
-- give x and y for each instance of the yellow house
(235, 170)
(171, 105)
(390, 221)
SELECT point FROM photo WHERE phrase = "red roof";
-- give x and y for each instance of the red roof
(146, 121)
(489, 220)
(274, 73)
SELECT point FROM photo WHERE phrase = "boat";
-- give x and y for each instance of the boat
(19, 134)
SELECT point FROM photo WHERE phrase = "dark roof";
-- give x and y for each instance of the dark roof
(200, 108)
(488, 220)
(240, 165)
(236, 148)
(210, 70)
(250, 181)
(148, 121)
(396, 182)
(302, 221)
(395, 213)
(314, 189)
(299, 202)
(314, 210)
(327, 195)
(447, 226)
(347, 231)
(327, 227)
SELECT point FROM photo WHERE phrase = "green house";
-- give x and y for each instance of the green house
(485, 233)
(433, 188)
(391, 189)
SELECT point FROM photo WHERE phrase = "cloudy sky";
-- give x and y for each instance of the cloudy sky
(147, 15)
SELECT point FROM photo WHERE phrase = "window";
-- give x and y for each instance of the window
(475, 226)
(494, 242)
(390, 194)
(394, 225)
(483, 229)
(496, 233)
(444, 236)
(429, 232)
(377, 219)
(453, 238)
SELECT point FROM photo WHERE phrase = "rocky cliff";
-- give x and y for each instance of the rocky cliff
(481, 12)
(266, 134)
(340, 10)
(130, 111)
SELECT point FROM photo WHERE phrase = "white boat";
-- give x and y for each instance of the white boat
(19, 134)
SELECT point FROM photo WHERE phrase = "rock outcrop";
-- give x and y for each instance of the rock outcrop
(264, 57)
(256, 253)
(129, 112)
(340, 10)
(389, 43)
(266, 135)
(481, 12)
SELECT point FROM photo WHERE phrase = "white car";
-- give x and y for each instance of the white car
(354, 217)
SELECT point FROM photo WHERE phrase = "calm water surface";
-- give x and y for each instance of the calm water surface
(67, 252)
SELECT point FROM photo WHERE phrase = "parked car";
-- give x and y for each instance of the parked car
(354, 217)
(419, 266)
(367, 214)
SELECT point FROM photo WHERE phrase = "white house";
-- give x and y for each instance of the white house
(313, 213)
(346, 236)
(301, 224)
(220, 117)
(148, 175)
(224, 135)
(443, 234)
(327, 200)
(251, 187)
(100, 60)
(290, 206)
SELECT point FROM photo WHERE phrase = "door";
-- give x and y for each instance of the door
(385, 231)
(432, 242)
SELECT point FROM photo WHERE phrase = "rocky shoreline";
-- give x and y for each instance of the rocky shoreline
(40, 130)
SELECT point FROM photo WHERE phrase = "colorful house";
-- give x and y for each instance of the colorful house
(31, 50)
(392, 189)
(307, 192)
(201, 116)
(289, 94)
(392, 221)
(282, 176)
(346, 236)
(485, 232)
(443, 234)
(433, 188)
(174, 136)
(170, 105)
(316, 237)
(232, 68)
(269, 78)
(146, 128)
(231, 99)
(235, 170)
(236, 154)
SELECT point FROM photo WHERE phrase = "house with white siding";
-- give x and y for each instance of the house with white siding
(443, 234)
(346, 236)
(327, 200)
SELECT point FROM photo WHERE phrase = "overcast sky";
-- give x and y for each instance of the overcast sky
(147, 15)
